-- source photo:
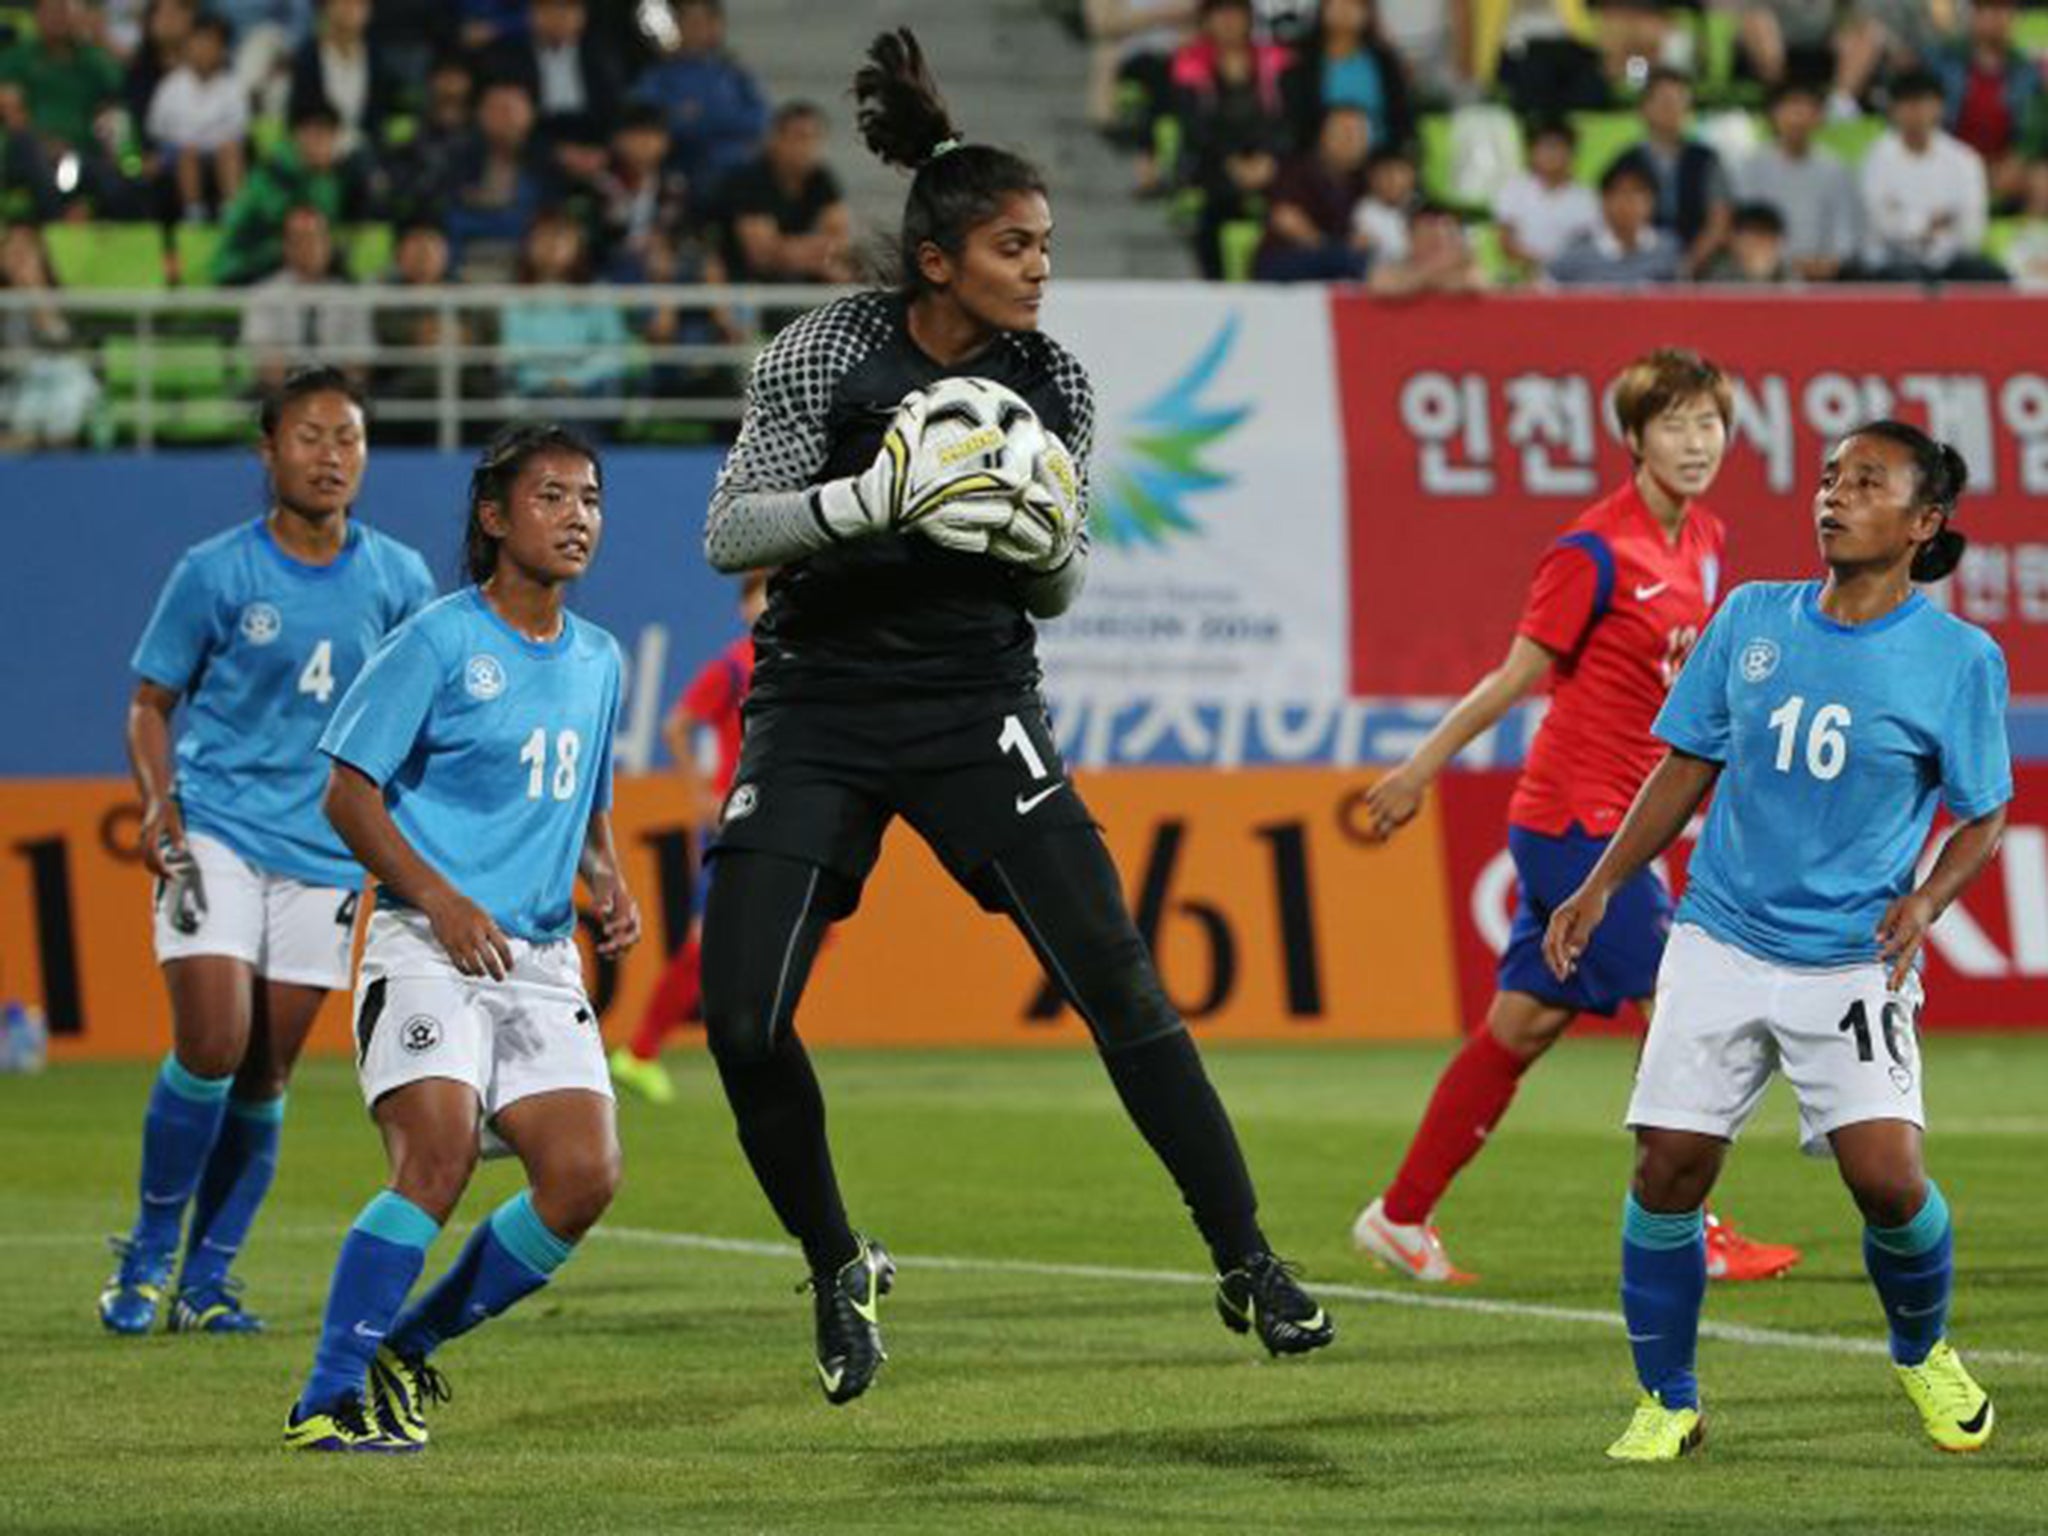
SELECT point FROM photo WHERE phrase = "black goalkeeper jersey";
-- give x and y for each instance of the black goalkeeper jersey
(891, 615)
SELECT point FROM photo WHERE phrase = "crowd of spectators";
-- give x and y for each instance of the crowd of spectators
(1273, 111)
(530, 141)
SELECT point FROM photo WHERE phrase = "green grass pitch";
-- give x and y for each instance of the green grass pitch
(663, 1383)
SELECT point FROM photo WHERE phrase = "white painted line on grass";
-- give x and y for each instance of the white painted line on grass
(1728, 1333)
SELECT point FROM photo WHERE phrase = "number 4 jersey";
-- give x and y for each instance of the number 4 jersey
(1834, 741)
(261, 647)
(493, 751)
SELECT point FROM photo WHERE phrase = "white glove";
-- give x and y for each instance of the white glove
(1046, 520)
(968, 523)
(873, 500)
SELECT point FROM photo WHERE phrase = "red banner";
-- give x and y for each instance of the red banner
(1475, 429)
(1987, 961)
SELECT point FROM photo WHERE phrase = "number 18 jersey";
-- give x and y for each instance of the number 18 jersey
(260, 647)
(493, 751)
(1834, 741)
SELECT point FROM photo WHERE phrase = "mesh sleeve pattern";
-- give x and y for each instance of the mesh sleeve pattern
(760, 509)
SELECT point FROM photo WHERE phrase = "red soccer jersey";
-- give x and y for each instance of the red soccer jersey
(714, 698)
(1620, 606)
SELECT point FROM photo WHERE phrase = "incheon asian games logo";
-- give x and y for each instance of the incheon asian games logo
(1142, 487)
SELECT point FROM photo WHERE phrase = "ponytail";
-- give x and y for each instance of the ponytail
(954, 186)
(1940, 477)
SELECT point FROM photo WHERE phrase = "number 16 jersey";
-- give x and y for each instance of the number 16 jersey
(1834, 741)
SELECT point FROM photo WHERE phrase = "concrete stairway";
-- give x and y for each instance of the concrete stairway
(1012, 76)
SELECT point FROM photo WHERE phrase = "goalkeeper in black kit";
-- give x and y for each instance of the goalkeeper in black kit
(897, 673)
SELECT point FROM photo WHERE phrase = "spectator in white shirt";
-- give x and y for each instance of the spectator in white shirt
(1543, 210)
(297, 313)
(1925, 198)
(199, 119)
(1380, 223)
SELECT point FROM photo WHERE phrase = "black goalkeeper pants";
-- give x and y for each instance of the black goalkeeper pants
(764, 921)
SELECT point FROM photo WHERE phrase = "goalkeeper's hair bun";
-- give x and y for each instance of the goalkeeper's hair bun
(902, 116)
(905, 121)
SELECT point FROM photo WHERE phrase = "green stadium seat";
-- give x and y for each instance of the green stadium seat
(1239, 242)
(1999, 235)
(106, 255)
(1852, 137)
(2030, 32)
(1602, 136)
(368, 250)
(1484, 237)
(196, 246)
(1435, 170)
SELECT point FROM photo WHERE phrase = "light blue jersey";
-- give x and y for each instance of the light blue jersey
(1835, 741)
(261, 648)
(493, 750)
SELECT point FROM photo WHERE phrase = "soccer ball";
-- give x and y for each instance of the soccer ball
(981, 442)
(978, 439)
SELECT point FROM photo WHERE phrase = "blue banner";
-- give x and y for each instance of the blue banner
(95, 536)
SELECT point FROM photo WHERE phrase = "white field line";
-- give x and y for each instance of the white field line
(1730, 1333)
(700, 1242)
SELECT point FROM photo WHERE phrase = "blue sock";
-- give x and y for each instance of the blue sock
(1663, 1282)
(1913, 1268)
(381, 1257)
(178, 1132)
(237, 1177)
(507, 1258)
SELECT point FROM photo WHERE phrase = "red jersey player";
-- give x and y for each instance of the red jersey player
(1617, 604)
(712, 702)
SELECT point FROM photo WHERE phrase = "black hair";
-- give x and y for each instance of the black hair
(1210, 6)
(1758, 218)
(497, 468)
(1387, 154)
(640, 116)
(312, 113)
(1664, 74)
(1792, 86)
(207, 21)
(1627, 169)
(1550, 128)
(300, 383)
(954, 186)
(796, 112)
(1939, 478)
(1914, 84)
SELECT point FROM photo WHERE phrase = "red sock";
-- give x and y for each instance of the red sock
(1470, 1099)
(674, 1000)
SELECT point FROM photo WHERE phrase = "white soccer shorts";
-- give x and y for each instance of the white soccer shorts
(417, 1016)
(285, 929)
(1726, 1022)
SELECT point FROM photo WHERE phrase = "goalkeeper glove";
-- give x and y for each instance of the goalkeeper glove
(1046, 520)
(872, 501)
(184, 892)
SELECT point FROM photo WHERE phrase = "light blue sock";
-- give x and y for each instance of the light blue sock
(1913, 1268)
(380, 1259)
(506, 1259)
(231, 1190)
(178, 1132)
(1663, 1283)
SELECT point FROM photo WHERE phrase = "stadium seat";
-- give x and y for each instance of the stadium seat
(368, 248)
(196, 245)
(107, 255)
(1484, 237)
(1852, 137)
(1602, 136)
(1239, 243)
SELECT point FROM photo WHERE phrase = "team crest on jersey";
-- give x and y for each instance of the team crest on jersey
(261, 623)
(1759, 660)
(742, 802)
(483, 678)
(422, 1032)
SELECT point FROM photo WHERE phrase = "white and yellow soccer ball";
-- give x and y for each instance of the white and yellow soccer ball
(985, 477)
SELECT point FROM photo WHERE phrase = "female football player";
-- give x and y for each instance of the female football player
(472, 775)
(258, 632)
(1617, 604)
(896, 673)
(1825, 717)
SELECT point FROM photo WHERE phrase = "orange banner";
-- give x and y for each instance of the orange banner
(1270, 919)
